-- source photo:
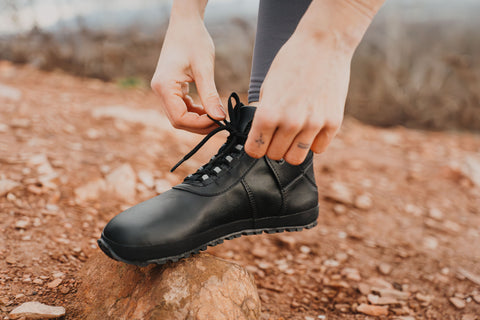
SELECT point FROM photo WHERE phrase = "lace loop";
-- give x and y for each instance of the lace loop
(237, 136)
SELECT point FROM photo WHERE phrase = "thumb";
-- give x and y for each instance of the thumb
(204, 80)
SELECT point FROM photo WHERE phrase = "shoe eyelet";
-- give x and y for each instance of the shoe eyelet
(281, 161)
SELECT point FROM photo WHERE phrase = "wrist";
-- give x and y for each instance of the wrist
(187, 10)
(340, 23)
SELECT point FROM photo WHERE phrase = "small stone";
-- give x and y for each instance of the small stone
(374, 299)
(19, 296)
(146, 178)
(7, 185)
(37, 310)
(57, 275)
(55, 283)
(93, 134)
(457, 302)
(90, 191)
(351, 274)
(414, 210)
(64, 290)
(340, 193)
(370, 310)
(38, 281)
(404, 318)
(392, 293)
(476, 298)
(331, 263)
(305, 249)
(430, 243)
(342, 307)
(10, 260)
(10, 93)
(21, 224)
(122, 182)
(364, 288)
(469, 316)
(435, 213)
(363, 201)
(162, 185)
(339, 209)
(260, 252)
(423, 298)
(309, 318)
(385, 268)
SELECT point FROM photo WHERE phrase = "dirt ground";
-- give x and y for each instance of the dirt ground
(399, 221)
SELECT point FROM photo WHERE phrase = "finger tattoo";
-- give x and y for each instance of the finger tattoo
(260, 141)
(302, 145)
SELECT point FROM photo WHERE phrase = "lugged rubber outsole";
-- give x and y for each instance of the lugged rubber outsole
(109, 252)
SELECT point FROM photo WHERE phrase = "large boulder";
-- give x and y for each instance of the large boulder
(198, 288)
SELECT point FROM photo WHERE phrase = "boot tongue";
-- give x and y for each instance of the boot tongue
(246, 116)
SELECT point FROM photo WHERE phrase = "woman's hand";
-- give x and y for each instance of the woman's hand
(187, 56)
(302, 98)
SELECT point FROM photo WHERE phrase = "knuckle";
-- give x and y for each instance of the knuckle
(267, 122)
(158, 85)
(292, 159)
(291, 124)
(274, 155)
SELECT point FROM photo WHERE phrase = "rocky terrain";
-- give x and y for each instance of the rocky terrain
(399, 226)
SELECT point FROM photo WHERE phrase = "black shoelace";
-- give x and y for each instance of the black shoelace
(226, 154)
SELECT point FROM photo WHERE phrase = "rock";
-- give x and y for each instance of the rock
(55, 283)
(469, 316)
(146, 117)
(435, 213)
(146, 178)
(340, 193)
(423, 298)
(364, 288)
(471, 168)
(10, 93)
(90, 191)
(392, 293)
(7, 185)
(374, 299)
(370, 310)
(351, 274)
(339, 209)
(200, 287)
(122, 182)
(363, 201)
(470, 276)
(457, 302)
(21, 224)
(430, 243)
(162, 185)
(384, 268)
(36, 310)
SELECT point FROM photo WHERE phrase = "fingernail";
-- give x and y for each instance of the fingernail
(218, 112)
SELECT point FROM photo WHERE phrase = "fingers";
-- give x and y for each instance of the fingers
(260, 135)
(324, 138)
(289, 139)
(180, 110)
(204, 80)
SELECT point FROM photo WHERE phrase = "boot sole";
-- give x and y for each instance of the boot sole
(111, 253)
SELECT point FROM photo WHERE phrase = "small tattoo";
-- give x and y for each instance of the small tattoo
(302, 145)
(260, 141)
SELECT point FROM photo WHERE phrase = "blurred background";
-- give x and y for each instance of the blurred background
(418, 65)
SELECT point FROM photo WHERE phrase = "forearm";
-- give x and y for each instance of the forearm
(341, 21)
(188, 9)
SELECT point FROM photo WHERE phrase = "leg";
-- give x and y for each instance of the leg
(277, 20)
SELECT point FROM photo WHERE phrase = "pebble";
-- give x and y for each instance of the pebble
(351, 274)
(435, 213)
(55, 283)
(363, 201)
(469, 316)
(7, 185)
(457, 302)
(305, 249)
(423, 297)
(38, 281)
(413, 209)
(162, 185)
(364, 288)
(340, 193)
(90, 191)
(374, 299)
(372, 310)
(122, 182)
(21, 224)
(339, 209)
(430, 243)
(385, 268)
(10, 93)
(331, 263)
(146, 177)
(392, 293)
(36, 310)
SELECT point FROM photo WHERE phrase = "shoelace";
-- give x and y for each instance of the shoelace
(234, 143)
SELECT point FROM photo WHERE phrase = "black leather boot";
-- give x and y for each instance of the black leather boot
(232, 195)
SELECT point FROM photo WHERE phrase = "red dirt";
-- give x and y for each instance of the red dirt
(423, 222)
